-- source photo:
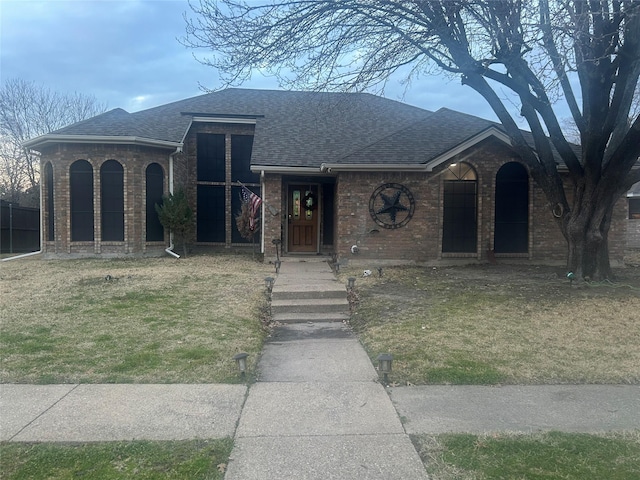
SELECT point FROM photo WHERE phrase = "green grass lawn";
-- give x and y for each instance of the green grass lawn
(540, 456)
(193, 460)
(156, 320)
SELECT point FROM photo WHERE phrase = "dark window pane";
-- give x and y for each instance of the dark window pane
(48, 171)
(81, 192)
(634, 208)
(512, 209)
(112, 201)
(459, 230)
(155, 190)
(211, 224)
(328, 199)
(211, 157)
(241, 146)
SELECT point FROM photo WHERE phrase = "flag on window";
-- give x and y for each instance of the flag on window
(253, 201)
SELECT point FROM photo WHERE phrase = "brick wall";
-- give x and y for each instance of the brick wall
(272, 224)
(134, 160)
(633, 234)
(421, 239)
(633, 224)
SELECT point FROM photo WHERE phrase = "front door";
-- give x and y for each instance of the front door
(303, 218)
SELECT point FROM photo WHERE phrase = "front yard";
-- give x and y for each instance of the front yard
(157, 320)
(162, 320)
(496, 324)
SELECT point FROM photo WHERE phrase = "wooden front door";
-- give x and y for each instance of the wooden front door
(303, 218)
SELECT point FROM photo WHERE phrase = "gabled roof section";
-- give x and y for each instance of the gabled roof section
(428, 142)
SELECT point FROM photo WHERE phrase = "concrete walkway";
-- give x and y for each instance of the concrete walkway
(317, 410)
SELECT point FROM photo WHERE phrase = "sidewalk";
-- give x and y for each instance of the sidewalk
(92, 413)
(317, 410)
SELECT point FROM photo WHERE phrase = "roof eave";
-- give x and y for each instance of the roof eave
(467, 144)
(286, 170)
(53, 139)
(372, 167)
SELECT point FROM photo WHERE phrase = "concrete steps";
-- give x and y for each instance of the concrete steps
(310, 317)
(302, 296)
(310, 305)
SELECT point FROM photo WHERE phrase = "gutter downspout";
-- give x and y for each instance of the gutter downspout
(262, 194)
(169, 249)
(41, 232)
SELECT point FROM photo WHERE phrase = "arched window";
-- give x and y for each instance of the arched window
(512, 209)
(155, 190)
(81, 193)
(48, 206)
(460, 224)
(112, 201)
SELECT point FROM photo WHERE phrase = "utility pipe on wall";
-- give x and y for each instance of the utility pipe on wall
(262, 194)
(169, 249)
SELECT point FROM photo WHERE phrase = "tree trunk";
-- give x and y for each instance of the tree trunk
(587, 234)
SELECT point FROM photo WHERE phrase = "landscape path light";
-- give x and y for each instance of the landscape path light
(268, 282)
(352, 282)
(384, 365)
(241, 362)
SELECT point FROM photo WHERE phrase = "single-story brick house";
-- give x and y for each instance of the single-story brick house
(340, 174)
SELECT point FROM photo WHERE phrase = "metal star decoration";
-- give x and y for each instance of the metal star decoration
(392, 205)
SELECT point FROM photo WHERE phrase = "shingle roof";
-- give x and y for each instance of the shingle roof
(423, 140)
(304, 129)
(292, 128)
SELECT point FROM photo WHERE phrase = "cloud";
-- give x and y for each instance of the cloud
(121, 49)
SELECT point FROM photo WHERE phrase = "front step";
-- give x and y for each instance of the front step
(310, 305)
(308, 291)
(304, 293)
(310, 317)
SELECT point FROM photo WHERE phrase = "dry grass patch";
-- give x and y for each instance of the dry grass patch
(144, 320)
(499, 324)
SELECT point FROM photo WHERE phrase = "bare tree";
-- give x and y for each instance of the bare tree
(28, 110)
(533, 49)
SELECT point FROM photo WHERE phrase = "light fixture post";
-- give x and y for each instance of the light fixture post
(384, 365)
(268, 283)
(241, 362)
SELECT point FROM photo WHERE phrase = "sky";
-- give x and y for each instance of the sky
(127, 55)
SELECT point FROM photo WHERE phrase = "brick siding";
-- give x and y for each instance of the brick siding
(134, 160)
(420, 240)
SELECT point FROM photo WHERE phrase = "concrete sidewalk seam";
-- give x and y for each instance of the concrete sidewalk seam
(45, 411)
(311, 435)
(244, 402)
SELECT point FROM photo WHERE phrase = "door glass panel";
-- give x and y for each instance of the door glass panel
(296, 204)
(308, 205)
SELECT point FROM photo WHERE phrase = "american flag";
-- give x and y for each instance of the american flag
(254, 202)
